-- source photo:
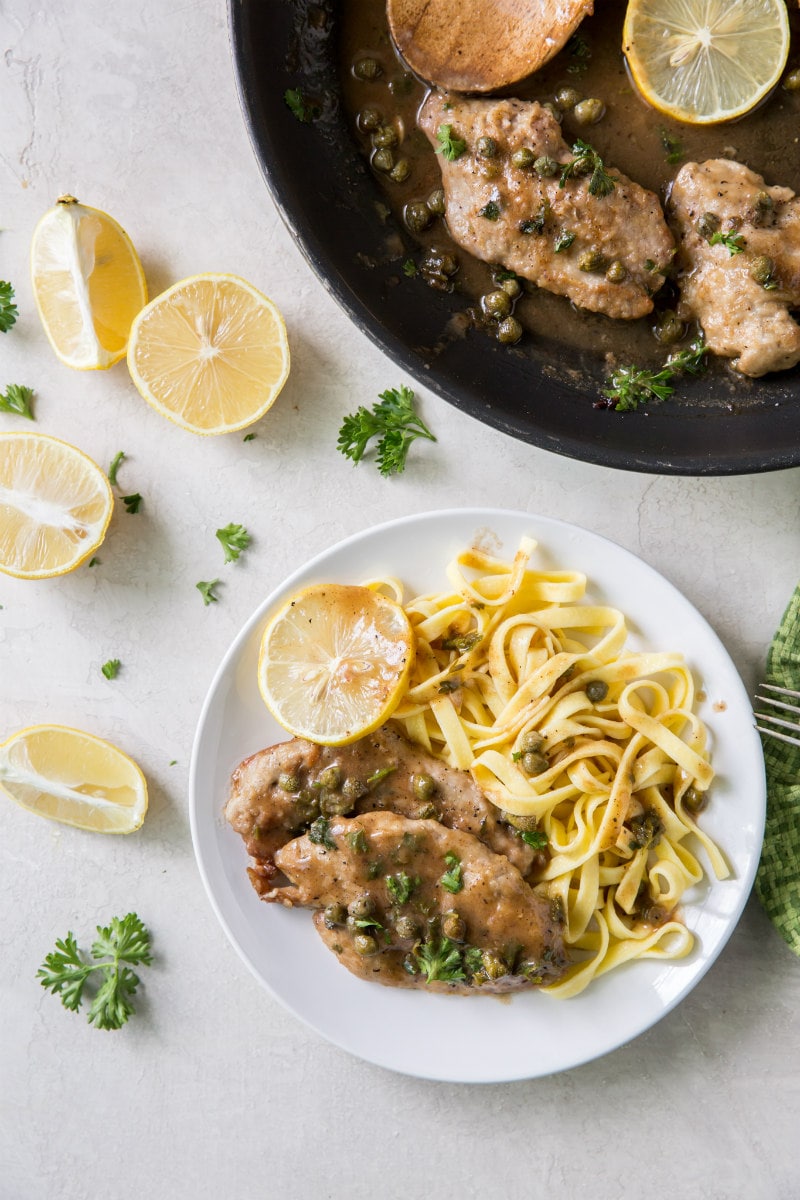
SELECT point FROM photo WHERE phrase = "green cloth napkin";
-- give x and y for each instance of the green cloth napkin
(778, 878)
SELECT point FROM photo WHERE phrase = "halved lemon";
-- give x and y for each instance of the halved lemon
(73, 777)
(334, 662)
(88, 284)
(55, 505)
(210, 353)
(705, 61)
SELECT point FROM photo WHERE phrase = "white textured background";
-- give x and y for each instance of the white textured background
(213, 1090)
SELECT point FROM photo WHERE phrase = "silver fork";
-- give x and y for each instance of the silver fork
(777, 722)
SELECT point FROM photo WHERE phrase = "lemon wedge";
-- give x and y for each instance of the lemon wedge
(73, 777)
(705, 61)
(88, 284)
(334, 662)
(55, 506)
(210, 353)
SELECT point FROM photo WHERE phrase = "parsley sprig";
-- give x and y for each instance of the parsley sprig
(394, 422)
(586, 161)
(8, 309)
(233, 539)
(301, 107)
(630, 387)
(734, 242)
(65, 972)
(17, 399)
(450, 147)
(441, 959)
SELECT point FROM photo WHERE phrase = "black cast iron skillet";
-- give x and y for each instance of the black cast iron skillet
(714, 425)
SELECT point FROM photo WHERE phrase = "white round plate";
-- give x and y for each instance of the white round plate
(477, 1039)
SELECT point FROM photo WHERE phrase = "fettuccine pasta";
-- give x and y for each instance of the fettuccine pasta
(594, 753)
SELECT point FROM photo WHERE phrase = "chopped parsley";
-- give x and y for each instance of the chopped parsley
(206, 590)
(734, 241)
(357, 841)
(94, 562)
(586, 161)
(534, 838)
(233, 539)
(394, 422)
(409, 268)
(319, 834)
(631, 387)
(441, 959)
(564, 240)
(8, 309)
(111, 668)
(401, 886)
(579, 50)
(132, 503)
(452, 881)
(249, 437)
(116, 463)
(450, 147)
(672, 147)
(381, 773)
(491, 210)
(305, 110)
(17, 399)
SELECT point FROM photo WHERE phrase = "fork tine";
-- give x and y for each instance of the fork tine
(773, 687)
(794, 726)
(792, 708)
(781, 737)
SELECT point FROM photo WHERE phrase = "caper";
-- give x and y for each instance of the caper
(486, 147)
(511, 287)
(417, 216)
(333, 915)
(567, 98)
(762, 269)
(531, 740)
(792, 81)
(288, 782)
(400, 171)
(493, 965)
(533, 762)
(354, 788)
(436, 202)
(589, 112)
(369, 119)
(305, 808)
(525, 824)
(406, 927)
(509, 331)
(362, 906)
(617, 272)
(708, 224)
(654, 914)
(335, 804)
(545, 166)
(555, 112)
(592, 260)
(670, 328)
(523, 158)
(383, 160)
(331, 777)
(496, 304)
(365, 944)
(440, 261)
(596, 690)
(367, 68)
(423, 786)
(384, 136)
(763, 206)
(695, 800)
(454, 926)
(426, 812)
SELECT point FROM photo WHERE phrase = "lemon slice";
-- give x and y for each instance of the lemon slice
(55, 505)
(73, 777)
(704, 61)
(88, 284)
(210, 353)
(334, 662)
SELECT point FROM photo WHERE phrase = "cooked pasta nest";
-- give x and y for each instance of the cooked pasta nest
(504, 660)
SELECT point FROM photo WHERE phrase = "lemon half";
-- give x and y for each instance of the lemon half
(88, 284)
(705, 61)
(55, 505)
(334, 662)
(73, 777)
(210, 353)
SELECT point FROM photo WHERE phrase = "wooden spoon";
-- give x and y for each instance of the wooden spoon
(481, 45)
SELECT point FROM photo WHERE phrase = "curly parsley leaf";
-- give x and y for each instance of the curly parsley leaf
(133, 502)
(631, 387)
(394, 422)
(452, 881)
(734, 242)
(534, 838)
(206, 590)
(400, 887)
(8, 309)
(490, 211)
(319, 833)
(305, 110)
(17, 399)
(233, 539)
(441, 959)
(586, 161)
(123, 944)
(450, 147)
(111, 668)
